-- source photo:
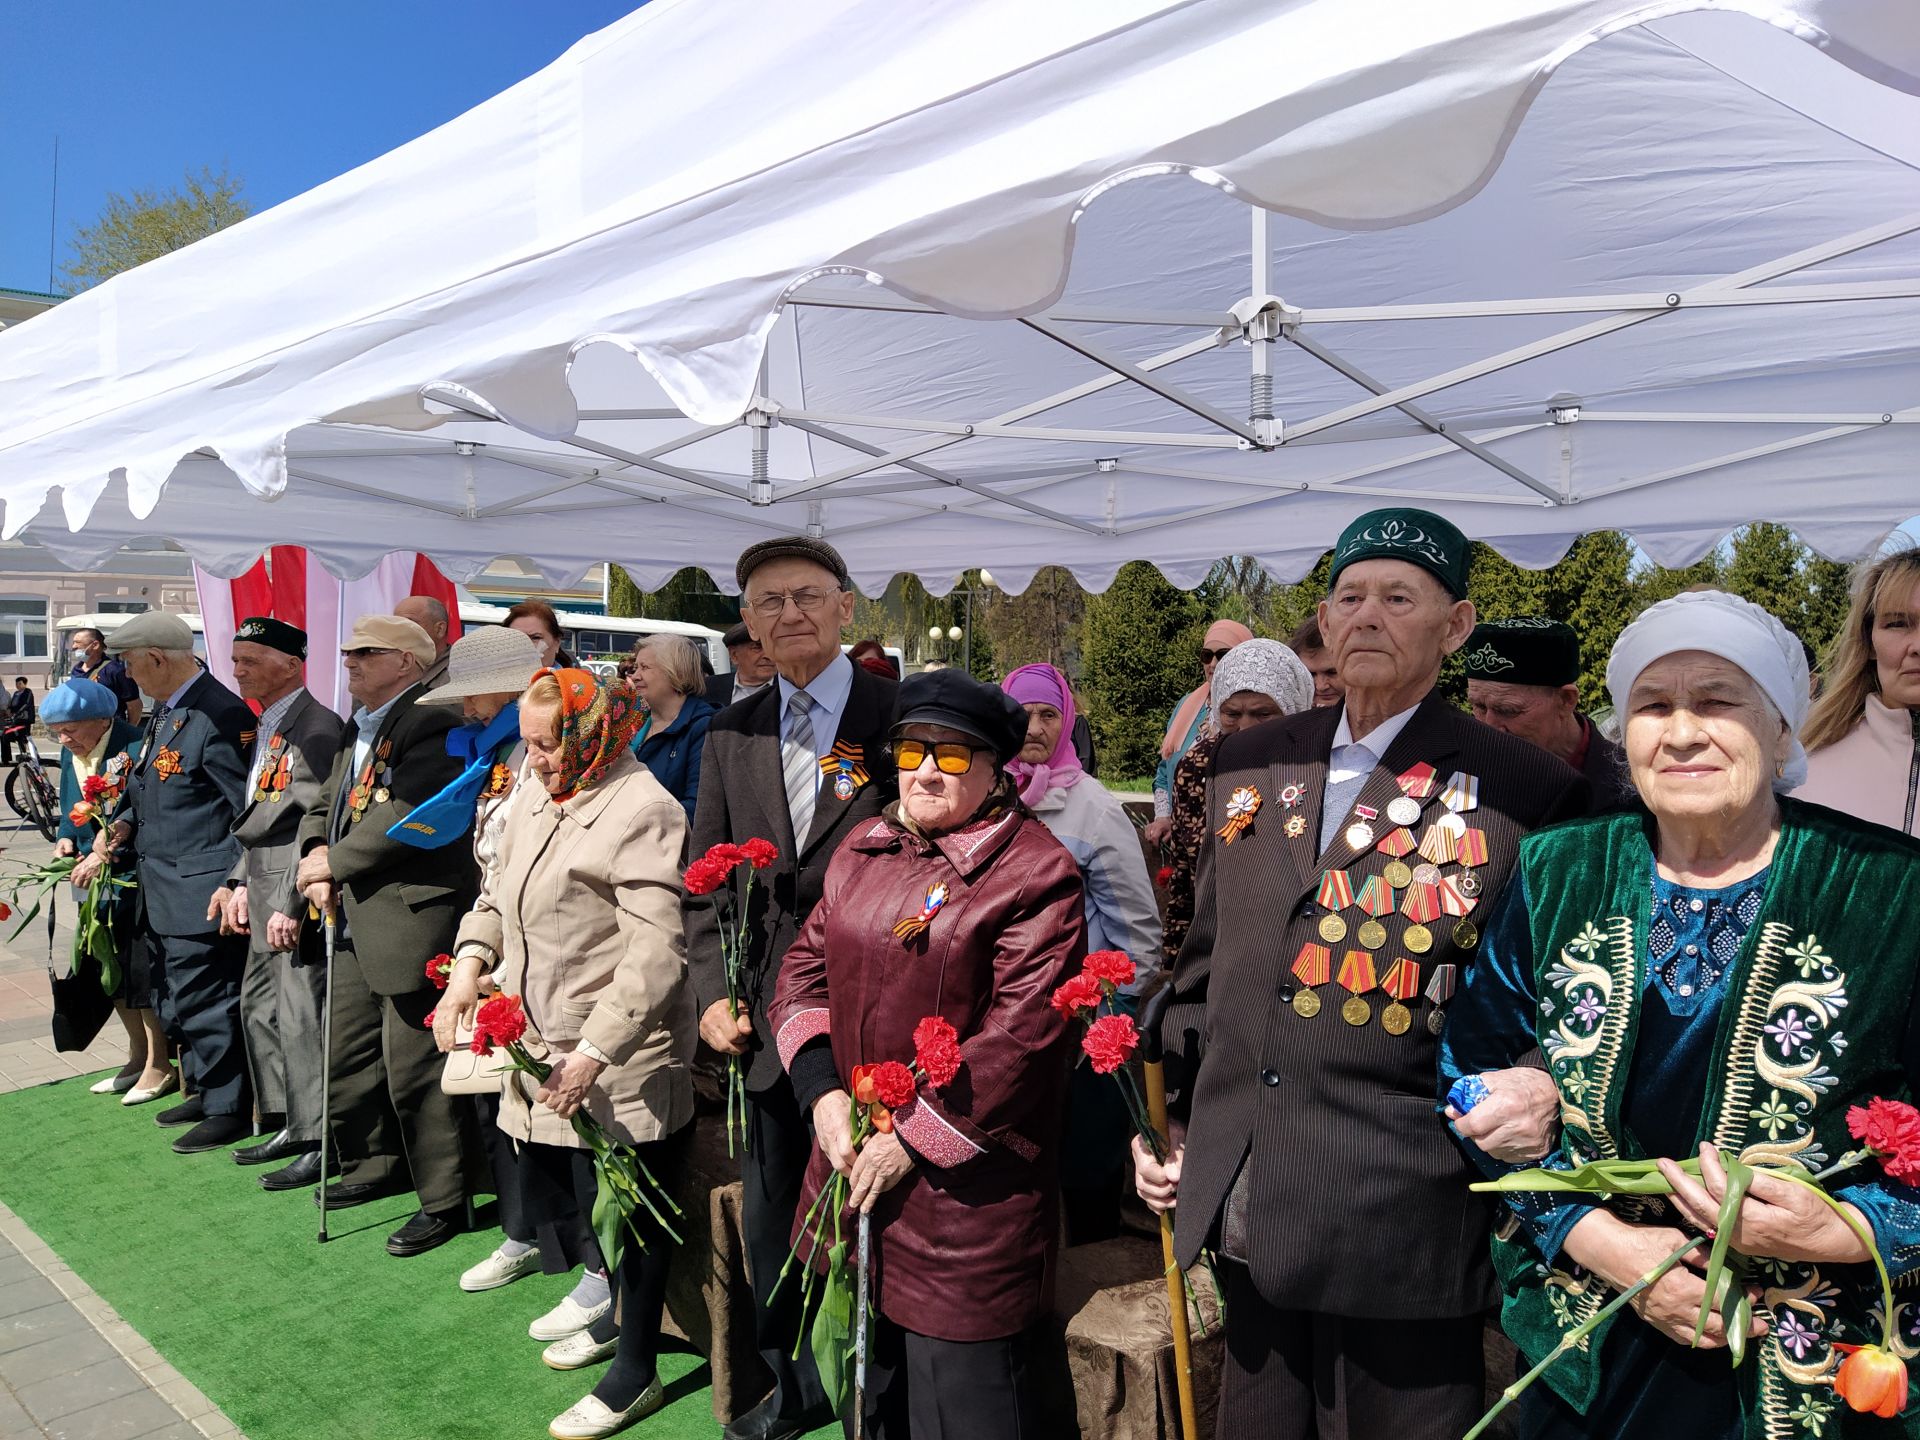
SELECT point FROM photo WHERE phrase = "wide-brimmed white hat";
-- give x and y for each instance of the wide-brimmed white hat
(493, 660)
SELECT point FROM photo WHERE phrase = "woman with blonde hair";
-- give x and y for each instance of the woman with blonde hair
(1863, 734)
(666, 672)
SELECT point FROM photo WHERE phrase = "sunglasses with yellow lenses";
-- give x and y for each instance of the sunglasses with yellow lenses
(948, 758)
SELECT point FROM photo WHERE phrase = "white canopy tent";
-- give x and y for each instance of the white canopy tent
(990, 283)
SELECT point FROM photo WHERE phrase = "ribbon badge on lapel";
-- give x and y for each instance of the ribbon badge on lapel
(846, 766)
(1242, 806)
(499, 782)
(912, 925)
(166, 763)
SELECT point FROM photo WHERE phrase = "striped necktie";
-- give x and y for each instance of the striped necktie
(799, 765)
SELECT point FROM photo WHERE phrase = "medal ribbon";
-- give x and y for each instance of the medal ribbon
(847, 759)
(1336, 890)
(1440, 987)
(1421, 903)
(1366, 812)
(1403, 980)
(1439, 845)
(1472, 849)
(911, 925)
(1356, 971)
(1375, 897)
(1452, 901)
(1398, 843)
(1416, 780)
(1242, 805)
(1313, 965)
(1462, 792)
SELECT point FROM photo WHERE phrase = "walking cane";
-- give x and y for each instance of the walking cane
(860, 1329)
(326, 1078)
(1151, 1014)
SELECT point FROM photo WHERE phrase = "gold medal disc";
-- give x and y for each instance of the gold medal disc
(1418, 939)
(1360, 835)
(1356, 1011)
(1306, 1004)
(1396, 1019)
(381, 796)
(1397, 875)
(1332, 929)
(1436, 1020)
(1372, 934)
(1465, 935)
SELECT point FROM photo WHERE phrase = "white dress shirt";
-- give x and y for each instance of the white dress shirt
(1348, 765)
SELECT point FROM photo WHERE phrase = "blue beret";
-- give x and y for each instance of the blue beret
(79, 700)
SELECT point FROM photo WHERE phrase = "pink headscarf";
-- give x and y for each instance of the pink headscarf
(1044, 685)
(1221, 635)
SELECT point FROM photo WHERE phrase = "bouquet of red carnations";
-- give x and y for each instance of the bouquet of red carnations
(1110, 1035)
(93, 931)
(711, 875)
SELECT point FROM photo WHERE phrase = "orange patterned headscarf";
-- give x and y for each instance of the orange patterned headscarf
(597, 722)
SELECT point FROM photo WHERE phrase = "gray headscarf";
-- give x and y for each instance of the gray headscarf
(1265, 667)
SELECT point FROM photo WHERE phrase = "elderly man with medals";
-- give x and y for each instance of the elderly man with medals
(1351, 855)
(1523, 678)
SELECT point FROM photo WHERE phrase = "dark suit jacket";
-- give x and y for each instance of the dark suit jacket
(1357, 1201)
(403, 904)
(1606, 770)
(742, 795)
(269, 830)
(183, 821)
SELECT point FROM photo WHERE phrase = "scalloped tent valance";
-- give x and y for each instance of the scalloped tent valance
(990, 283)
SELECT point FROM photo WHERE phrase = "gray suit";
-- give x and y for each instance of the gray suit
(282, 994)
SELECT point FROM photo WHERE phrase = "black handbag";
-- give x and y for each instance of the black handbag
(80, 1005)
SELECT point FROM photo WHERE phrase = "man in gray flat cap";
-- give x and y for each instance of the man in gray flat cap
(183, 795)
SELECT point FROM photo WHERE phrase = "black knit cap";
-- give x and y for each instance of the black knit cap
(1530, 650)
(794, 547)
(274, 634)
(956, 701)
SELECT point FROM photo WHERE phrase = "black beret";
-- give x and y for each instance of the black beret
(737, 635)
(275, 634)
(1530, 650)
(794, 547)
(955, 700)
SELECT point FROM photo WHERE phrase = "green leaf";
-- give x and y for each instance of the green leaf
(1739, 1177)
(608, 1226)
(833, 1329)
(1737, 1317)
(1596, 1177)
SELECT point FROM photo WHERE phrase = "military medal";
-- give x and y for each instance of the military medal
(1371, 934)
(1375, 897)
(1397, 875)
(1360, 832)
(1454, 827)
(1452, 899)
(1469, 884)
(1472, 848)
(1421, 903)
(1416, 782)
(1466, 935)
(1292, 795)
(1439, 991)
(499, 782)
(1462, 792)
(1242, 805)
(1296, 826)
(1336, 890)
(1356, 975)
(1332, 929)
(1417, 938)
(911, 925)
(1426, 873)
(382, 795)
(1403, 810)
(847, 765)
(1312, 966)
(1438, 844)
(1396, 843)
(1402, 983)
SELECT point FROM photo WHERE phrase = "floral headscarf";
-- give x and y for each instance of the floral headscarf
(597, 725)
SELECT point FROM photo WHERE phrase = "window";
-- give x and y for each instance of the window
(124, 607)
(23, 629)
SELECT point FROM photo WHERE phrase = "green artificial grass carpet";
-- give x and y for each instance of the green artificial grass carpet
(293, 1339)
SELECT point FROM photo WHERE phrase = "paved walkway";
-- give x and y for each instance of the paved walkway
(70, 1367)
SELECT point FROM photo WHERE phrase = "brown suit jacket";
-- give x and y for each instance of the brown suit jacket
(1357, 1197)
(742, 796)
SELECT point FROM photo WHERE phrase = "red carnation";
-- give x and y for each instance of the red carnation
(936, 1050)
(93, 788)
(440, 971)
(1109, 1042)
(1891, 1129)
(893, 1084)
(1163, 877)
(704, 876)
(501, 1020)
(1082, 992)
(759, 853)
(6, 911)
(432, 1015)
(725, 854)
(1110, 967)
(482, 1043)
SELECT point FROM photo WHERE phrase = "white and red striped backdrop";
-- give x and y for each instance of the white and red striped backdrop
(284, 585)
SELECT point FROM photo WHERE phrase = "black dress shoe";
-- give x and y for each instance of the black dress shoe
(211, 1133)
(190, 1113)
(345, 1197)
(281, 1147)
(765, 1422)
(302, 1174)
(424, 1232)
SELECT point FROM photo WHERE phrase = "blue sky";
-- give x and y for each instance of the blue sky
(285, 96)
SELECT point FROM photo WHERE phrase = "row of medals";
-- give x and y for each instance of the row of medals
(1404, 812)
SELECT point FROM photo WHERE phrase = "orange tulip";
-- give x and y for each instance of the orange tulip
(882, 1118)
(1872, 1379)
(863, 1090)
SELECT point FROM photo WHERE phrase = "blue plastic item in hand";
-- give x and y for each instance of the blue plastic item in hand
(1467, 1092)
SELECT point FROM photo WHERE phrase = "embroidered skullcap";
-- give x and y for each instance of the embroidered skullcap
(1418, 537)
(1737, 631)
(79, 700)
(1529, 650)
(1265, 667)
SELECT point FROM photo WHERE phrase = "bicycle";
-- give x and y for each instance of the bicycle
(30, 793)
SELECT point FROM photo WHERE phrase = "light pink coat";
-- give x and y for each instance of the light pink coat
(1864, 774)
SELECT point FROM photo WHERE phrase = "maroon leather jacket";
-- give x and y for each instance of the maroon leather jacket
(964, 1245)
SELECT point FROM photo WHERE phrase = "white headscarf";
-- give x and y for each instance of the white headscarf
(1265, 667)
(1737, 631)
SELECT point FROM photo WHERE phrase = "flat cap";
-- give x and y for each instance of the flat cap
(955, 700)
(790, 547)
(390, 632)
(150, 630)
(274, 634)
(1528, 650)
(738, 634)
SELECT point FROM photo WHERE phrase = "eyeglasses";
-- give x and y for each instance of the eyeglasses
(366, 650)
(949, 758)
(1221, 654)
(771, 607)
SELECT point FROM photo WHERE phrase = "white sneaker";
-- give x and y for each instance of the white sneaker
(577, 1351)
(569, 1317)
(499, 1269)
(591, 1419)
